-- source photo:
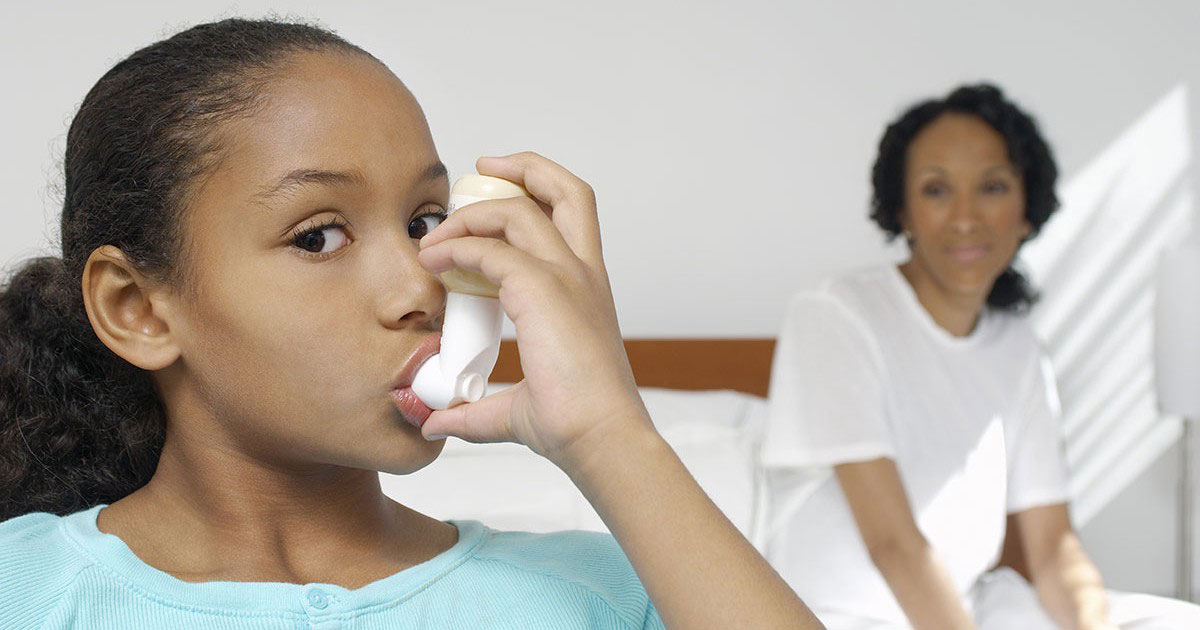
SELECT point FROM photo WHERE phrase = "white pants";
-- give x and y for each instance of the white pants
(1005, 601)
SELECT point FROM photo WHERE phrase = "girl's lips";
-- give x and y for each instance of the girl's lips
(411, 407)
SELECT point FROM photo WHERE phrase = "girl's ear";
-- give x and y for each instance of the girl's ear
(126, 310)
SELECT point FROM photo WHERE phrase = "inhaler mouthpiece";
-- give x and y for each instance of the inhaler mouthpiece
(470, 345)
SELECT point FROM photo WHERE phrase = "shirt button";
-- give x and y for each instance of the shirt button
(318, 599)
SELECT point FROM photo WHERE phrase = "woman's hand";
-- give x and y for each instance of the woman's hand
(1067, 582)
(916, 574)
(546, 257)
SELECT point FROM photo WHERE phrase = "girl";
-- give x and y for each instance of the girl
(196, 398)
(921, 396)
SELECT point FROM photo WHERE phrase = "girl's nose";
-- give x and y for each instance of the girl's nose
(411, 296)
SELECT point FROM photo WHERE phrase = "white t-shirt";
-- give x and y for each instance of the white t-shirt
(861, 371)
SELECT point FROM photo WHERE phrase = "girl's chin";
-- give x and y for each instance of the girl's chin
(405, 456)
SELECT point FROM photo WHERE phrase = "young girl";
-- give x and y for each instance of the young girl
(923, 399)
(196, 398)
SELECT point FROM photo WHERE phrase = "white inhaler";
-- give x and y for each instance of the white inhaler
(458, 373)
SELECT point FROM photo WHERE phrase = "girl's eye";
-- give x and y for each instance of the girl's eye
(323, 239)
(424, 224)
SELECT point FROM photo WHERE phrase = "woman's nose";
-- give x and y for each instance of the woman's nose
(965, 214)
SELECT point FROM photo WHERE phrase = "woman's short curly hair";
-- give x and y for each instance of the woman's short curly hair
(1027, 149)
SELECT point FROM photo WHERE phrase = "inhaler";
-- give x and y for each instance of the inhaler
(458, 373)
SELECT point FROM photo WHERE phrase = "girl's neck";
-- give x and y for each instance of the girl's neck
(956, 313)
(212, 514)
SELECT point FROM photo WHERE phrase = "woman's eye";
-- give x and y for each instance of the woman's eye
(995, 188)
(322, 240)
(424, 224)
(933, 190)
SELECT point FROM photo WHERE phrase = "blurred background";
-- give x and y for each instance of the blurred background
(730, 145)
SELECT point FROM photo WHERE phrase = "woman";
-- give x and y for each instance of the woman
(195, 399)
(916, 407)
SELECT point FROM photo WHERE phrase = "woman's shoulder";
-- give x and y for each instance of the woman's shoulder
(38, 566)
(1012, 335)
(850, 300)
(588, 562)
(856, 291)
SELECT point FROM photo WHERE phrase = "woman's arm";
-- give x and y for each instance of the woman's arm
(579, 405)
(918, 578)
(1067, 583)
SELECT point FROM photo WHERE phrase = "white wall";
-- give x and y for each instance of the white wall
(729, 145)
(729, 142)
(1133, 539)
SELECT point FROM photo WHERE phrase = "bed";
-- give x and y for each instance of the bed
(706, 399)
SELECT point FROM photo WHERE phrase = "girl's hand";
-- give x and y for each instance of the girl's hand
(579, 406)
(546, 257)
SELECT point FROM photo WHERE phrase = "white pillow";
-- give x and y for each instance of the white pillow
(507, 486)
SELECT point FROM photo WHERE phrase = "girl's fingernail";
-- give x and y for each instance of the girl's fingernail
(436, 437)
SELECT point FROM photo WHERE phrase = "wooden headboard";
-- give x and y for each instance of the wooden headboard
(739, 364)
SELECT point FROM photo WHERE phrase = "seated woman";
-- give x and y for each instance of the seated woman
(195, 399)
(924, 404)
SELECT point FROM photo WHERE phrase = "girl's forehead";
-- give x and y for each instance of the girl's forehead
(327, 110)
(331, 94)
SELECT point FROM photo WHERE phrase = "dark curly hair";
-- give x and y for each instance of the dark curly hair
(1027, 149)
(78, 425)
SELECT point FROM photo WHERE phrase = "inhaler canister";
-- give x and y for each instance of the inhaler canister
(472, 323)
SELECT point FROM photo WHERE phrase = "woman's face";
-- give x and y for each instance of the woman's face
(965, 205)
(303, 303)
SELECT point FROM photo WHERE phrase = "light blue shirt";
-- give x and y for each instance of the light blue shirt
(62, 572)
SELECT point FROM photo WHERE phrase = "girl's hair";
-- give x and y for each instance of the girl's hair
(1027, 150)
(78, 425)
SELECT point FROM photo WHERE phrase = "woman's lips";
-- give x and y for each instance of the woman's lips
(968, 254)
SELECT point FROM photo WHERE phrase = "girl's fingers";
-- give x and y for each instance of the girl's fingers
(520, 221)
(485, 420)
(498, 261)
(572, 199)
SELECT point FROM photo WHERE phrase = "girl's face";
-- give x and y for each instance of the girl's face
(303, 306)
(965, 205)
